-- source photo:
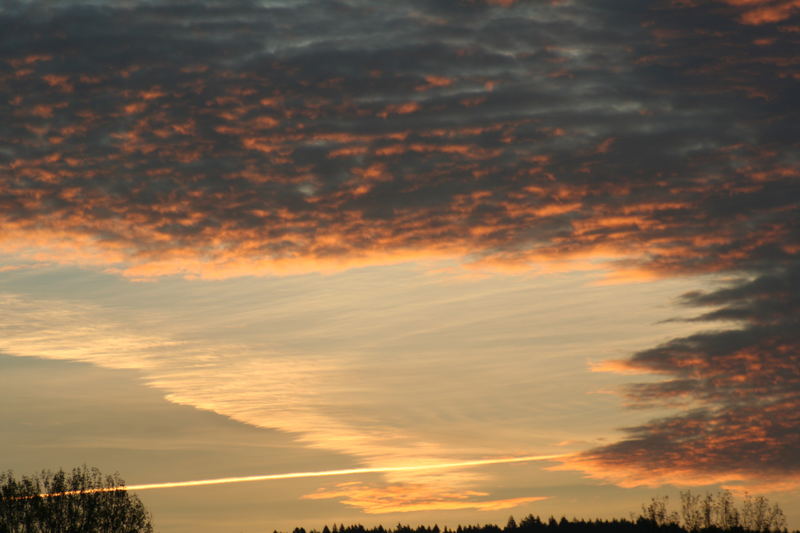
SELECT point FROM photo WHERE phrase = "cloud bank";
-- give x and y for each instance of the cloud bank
(738, 387)
(247, 138)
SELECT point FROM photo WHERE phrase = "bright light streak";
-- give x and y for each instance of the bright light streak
(323, 473)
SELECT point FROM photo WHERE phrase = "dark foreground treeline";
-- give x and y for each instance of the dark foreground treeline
(699, 513)
(534, 524)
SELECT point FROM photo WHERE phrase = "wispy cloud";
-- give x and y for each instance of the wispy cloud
(409, 497)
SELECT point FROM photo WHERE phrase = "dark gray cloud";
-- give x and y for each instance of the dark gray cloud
(244, 137)
(740, 388)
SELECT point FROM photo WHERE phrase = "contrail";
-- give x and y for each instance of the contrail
(323, 473)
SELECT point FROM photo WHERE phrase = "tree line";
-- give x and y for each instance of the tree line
(707, 513)
(717, 511)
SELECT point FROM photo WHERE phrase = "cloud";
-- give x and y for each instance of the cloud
(218, 141)
(409, 497)
(740, 389)
(253, 386)
(765, 11)
(653, 139)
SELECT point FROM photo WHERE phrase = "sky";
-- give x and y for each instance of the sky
(251, 237)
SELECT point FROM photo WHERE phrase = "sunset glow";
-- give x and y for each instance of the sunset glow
(331, 238)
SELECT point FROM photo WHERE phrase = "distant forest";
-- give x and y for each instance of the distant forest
(531, 524)
(699, 513)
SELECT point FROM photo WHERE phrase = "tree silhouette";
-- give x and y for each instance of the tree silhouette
(657, 512)
(758, 515)
(511, 525)
(534, 524)
(718, 511)
(82, 501)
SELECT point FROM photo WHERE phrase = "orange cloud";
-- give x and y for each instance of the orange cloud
(765, 11)
(408, 497)
(617, 367)
(400, 109)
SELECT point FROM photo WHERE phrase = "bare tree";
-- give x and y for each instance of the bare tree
(726, 516)
(700, 512)
(759, 515)
(657, 511)
(690, 510)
